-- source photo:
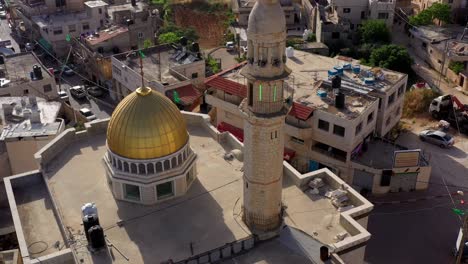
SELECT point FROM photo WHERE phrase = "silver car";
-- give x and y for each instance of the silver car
(438, 138)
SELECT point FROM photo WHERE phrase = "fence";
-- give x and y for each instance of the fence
(217, 254)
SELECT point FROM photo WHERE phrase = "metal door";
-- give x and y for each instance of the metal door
(363, 179)
(403, 182)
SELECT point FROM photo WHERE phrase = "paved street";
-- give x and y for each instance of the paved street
(5, 34)
(422, 231)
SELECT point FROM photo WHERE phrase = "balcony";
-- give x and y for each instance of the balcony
(298, 131)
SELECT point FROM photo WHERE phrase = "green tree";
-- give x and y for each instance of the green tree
(169, 37)
(375, 31)
(188, 32)
(311, 37)
(392, 57)
(456, 66)
(147, 43)
(438, 11)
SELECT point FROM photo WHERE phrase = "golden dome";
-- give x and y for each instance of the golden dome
(146, 125)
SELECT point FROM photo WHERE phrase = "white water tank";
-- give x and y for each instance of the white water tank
(289, 52)
(89, 209)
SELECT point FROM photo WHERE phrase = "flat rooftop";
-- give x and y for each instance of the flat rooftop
(106, 34)
(310, 76)
(59, 18)
(17, 68)
(140, 6)
(16, 125)
(208, 216)
(96, 3)
(158, 60)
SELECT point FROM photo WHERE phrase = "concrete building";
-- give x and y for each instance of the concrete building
(28, 125)
(17, 79)
(441, 47)
(318, 133)
(54, 28)
(338, 20)
(242, 9)
(173, 71)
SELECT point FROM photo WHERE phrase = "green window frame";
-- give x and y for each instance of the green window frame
(260, 88)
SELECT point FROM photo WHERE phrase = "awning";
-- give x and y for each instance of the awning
(300, 111)
(288, 154)
(228, 86)
(45, 44)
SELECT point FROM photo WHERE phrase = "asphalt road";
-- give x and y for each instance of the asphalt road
(422, 231)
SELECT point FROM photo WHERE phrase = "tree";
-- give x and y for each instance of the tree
(187, 32)
(169, 37)
(375, 31)
(441, 12)
(456, 66)
(147, 43)
(392, 57)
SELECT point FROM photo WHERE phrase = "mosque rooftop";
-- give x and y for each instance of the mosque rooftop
(207, 217)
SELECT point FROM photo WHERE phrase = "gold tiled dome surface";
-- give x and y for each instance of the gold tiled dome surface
(146, 125)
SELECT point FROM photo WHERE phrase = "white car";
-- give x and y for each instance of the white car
(230, 46)
(63, 96)
(88, 114)
(3, 14)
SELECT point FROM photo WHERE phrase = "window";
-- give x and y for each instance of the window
(324, 125)
(388, 120)
(370, 117)
(430, 51)
(424, 45)
(57, 30)
(382, 16)
(100, 10)
(260, 91)
(274, 135)
(297, 140)
(274, 93)
(380, 103)
(397, 112)
(140, 35)
(439, 61)
(60, 3)
(164, 190)
(401, 90)
(131, 192)
(47, 88)
(71, 28)
(358, 128)
(391, 99)
(335, 35)
(25, 91)
(450, 1)
(346, 10)
(250, 94)
(338, 130)
(85, 26)
(194, 75)
(363, 14)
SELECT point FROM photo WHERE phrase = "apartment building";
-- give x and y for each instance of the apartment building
(242, 9)
(338, 20)
(441, 47)
(321, 132)
(129, 26)
(55, 28)
(171, 70)
(23, 75)
(29, 123)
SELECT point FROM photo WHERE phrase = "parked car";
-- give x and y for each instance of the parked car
(88, 114)
(438, 138)
(63, 96)
(94, 91)
(3, 14)
(67, 71)
(230, 46)
(78, 91)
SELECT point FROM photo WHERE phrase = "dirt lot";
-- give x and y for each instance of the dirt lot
(209, 26)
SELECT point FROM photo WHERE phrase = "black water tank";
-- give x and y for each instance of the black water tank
(195, 47)
(96, 237)
(88, 222)
(340, 100)
(336, 82)
(183, 41)
(324, 253)
(37, 72)
(2, 60)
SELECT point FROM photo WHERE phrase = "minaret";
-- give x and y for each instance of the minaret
(264, 112)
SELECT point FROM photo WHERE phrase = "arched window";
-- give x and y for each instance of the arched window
(167, 165)
(133, 167)
(174, 162)
(142, 168)
(179, 159)
(126, 168)
(150, 168)
(119, 165)
(159, 167)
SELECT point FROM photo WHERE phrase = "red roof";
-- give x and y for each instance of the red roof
(228, 86)
(300, 111)
(188, 94)
(239, 134)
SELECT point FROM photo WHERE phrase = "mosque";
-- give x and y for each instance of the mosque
(170, 188)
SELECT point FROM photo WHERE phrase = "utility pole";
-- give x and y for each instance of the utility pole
(443, 63)
(462, 242)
